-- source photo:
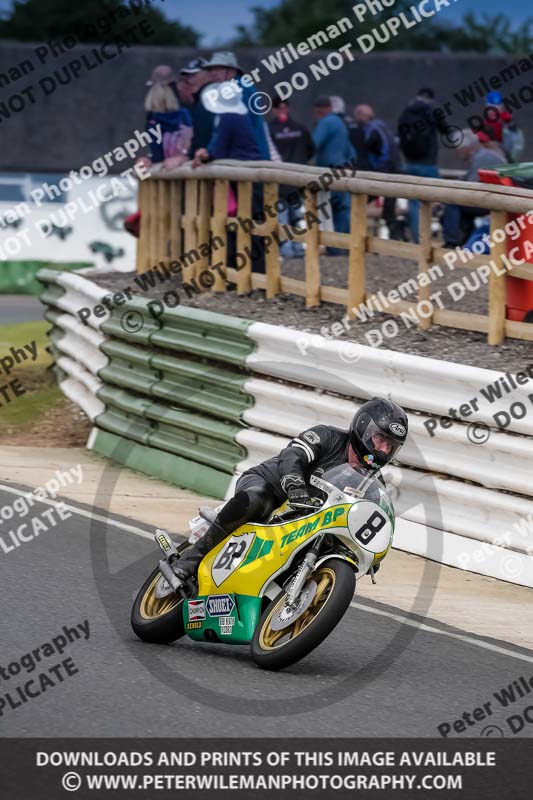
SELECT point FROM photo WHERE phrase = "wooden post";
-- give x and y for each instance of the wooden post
(151, 223)
(272, 263)
(163, 222)
(176, 237)
(312, 253)
(189, 227)
(425, 246)
(218, 228)
(356, 260)
(244, 239)
(203, 226)
(142, 244)
(498, 221)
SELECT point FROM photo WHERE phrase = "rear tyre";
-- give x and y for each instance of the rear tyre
(275, 649)
(157, 620)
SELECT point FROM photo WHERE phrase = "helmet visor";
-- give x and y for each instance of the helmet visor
(381, 446)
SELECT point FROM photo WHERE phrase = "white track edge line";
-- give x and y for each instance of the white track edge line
(463, 638)
(404, 620)
(82, 512)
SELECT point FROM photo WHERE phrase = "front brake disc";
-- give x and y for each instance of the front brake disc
(286, 616)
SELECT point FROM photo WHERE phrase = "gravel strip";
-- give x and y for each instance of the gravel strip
(385, 273)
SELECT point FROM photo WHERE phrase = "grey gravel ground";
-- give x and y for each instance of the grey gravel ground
(448, 344)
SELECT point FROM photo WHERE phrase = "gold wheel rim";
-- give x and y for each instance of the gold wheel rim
(270, 639)
(153, 607)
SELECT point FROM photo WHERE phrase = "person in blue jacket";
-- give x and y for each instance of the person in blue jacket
(333, 149)
(233, 138)
(224, 67)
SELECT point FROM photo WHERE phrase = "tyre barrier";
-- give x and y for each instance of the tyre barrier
(195, 398)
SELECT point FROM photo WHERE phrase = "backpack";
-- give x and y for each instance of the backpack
(415, 132)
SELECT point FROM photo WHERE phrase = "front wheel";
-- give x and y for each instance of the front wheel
(156, 619)
(276, 645)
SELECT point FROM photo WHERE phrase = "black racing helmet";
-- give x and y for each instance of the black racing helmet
(378, 431)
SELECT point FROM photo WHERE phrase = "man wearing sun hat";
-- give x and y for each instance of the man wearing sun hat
(223, 66)
(196, 76)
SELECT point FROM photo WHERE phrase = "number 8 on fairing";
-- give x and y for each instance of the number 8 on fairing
(373, 525)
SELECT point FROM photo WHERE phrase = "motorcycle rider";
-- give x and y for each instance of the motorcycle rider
(376, 434)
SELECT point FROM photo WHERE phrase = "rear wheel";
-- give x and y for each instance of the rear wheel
(276, 645)
(155, 619)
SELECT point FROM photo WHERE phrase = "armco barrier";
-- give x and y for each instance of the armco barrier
(195, 398)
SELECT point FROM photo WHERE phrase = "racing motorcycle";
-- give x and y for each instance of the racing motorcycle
(280, 586)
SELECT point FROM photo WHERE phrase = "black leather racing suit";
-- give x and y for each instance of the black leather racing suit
(260, 489)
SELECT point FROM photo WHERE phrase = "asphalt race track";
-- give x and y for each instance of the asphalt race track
(376, 675)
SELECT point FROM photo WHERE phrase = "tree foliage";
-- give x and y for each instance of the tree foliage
(296, 20)
(38, 20)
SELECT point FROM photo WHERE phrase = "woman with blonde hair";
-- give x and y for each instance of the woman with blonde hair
(163, 110)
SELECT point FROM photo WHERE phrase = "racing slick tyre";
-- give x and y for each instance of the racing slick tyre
(155, 619)
(279, 641)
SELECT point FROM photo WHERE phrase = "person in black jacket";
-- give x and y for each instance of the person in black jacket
(376, 434)
(295, 146)
(419, 127)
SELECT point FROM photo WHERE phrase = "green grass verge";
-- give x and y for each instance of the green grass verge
(39, 382)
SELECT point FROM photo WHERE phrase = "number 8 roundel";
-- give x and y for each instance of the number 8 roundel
(369, 526)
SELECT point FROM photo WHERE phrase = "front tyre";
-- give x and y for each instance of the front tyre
(275, 649)
(158, 620)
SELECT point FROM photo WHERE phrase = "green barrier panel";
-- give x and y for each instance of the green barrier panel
(128, 367)
(51, 294)
(205, 333)
(192, 384)
(131, 321)
(52, 316)
(123, 374)
(207, 388)
(20, 277)
(165, 466)
(129, 427)
(202, 439)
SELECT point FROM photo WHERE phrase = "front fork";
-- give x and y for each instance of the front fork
(304, 570)
(170, 555)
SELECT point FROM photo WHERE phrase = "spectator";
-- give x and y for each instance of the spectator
(418, 127)
(163, 109)
(197, 77)
(487, 140)
(458, 221)
(338, 107)
(333, 149)
(223, 66)
(295, 145)
(234, 137)
(506, 131)
(378, 152)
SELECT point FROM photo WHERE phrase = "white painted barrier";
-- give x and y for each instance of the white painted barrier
(504, 462)
(421, 384)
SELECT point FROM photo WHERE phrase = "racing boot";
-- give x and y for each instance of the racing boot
(187, 565)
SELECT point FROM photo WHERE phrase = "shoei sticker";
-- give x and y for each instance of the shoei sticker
(220, 605)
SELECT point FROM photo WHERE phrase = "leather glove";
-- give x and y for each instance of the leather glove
(296, 490)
